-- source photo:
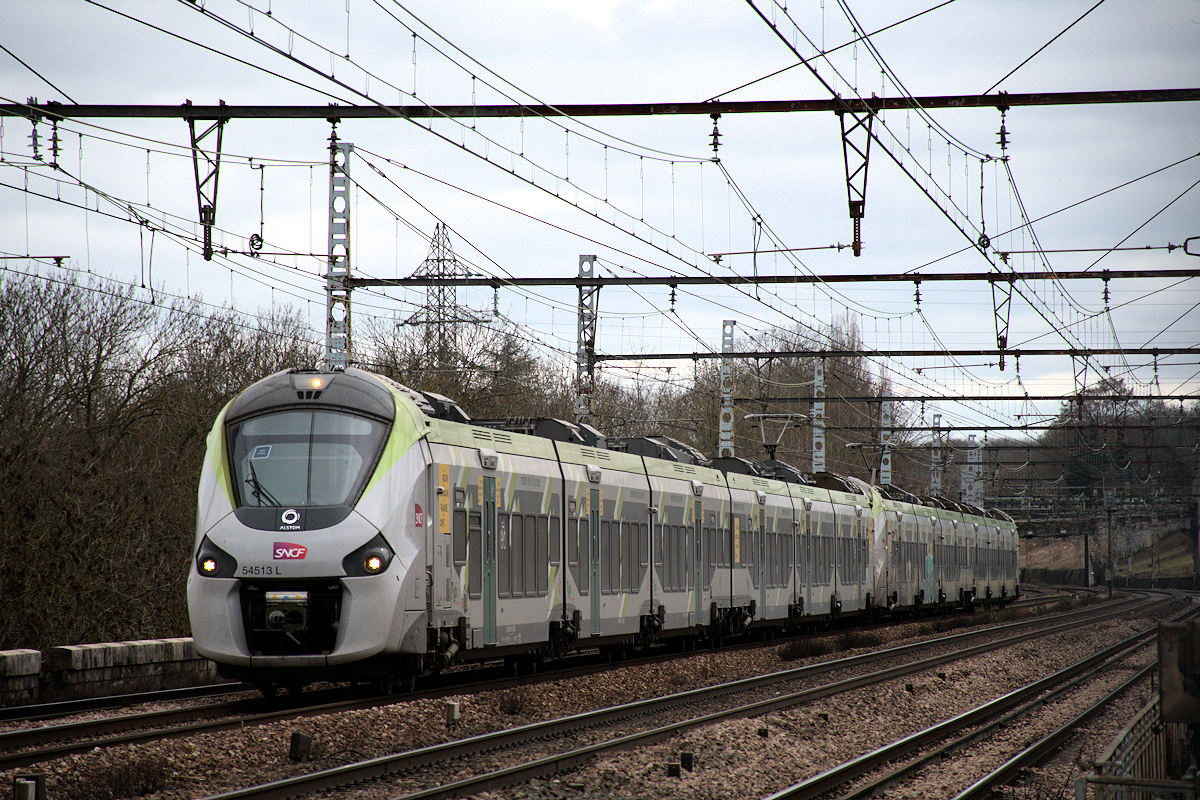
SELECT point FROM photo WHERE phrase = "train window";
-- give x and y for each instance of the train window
(555, 540)
(746, 551)
(708, 545)
(310, 457)
(827, 558)
(691, 538)
(657, 535)
(620, 533)
(605, 557)
(789, 561)
(503, 570)
(684, 538)
(474, 555)
(583, 578)
(664, 539)
(769, 561)
(683, 535)
(516, 556)
(459, 529)
(776, 561)
(643, 554)
(689, 535)
(628, 554)
(573, 547)
(535, 555)
(634, 565)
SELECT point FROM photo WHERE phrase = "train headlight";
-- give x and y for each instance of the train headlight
(213, 562)
(370, 559)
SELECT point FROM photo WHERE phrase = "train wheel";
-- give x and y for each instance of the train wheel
(401, 683)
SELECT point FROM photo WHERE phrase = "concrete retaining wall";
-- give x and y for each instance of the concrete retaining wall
(93, 670)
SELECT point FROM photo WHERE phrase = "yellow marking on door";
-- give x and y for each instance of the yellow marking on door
(444, 498)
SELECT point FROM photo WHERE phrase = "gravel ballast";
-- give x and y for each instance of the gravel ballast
(733, 759)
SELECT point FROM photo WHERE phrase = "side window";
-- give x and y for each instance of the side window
(543, 548)
(659, 535)
(503, 568)
(585, 554)
(460, 537)
(555, 540)
(605, 556)
(707, 548)
(642, 547)
(685, 536)
(535, 557)
(573, 548)
(628, 532)
(474, 555)
(516, 555)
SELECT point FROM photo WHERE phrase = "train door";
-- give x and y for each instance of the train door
(489, 560)
(594, 557)
(698, 581)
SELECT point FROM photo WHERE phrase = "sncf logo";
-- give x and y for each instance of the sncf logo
(285, 550)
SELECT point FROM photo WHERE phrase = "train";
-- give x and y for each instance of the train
(350, 528)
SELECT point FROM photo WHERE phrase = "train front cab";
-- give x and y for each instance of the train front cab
(300, 559)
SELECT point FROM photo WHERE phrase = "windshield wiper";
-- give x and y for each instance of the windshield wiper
(259, 491)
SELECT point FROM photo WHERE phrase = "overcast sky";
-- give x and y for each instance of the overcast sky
(527, 198)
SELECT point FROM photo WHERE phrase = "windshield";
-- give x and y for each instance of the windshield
(303, 457)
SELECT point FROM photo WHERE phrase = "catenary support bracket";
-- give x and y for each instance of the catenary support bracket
(856, 151)
(206, 186)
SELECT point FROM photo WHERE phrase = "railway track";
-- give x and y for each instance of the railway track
(685, 710)
(1043, 748)
(26, 746)
(37, 712)
(962, 730)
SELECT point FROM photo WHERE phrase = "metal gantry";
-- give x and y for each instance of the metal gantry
(885, 438)
(337, 291)
(585, 352)
(818, 416)
(725, 423)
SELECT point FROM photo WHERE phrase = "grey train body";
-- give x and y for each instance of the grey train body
(351, 528)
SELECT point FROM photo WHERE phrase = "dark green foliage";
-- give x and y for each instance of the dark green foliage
(855, 639)
(137, 776)
(805, 647)
(513, 702)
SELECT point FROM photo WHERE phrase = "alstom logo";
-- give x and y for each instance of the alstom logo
(285, 550)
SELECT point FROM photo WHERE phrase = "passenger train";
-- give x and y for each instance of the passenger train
(351, 528)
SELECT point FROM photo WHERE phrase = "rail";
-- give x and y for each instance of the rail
(1138, 764)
